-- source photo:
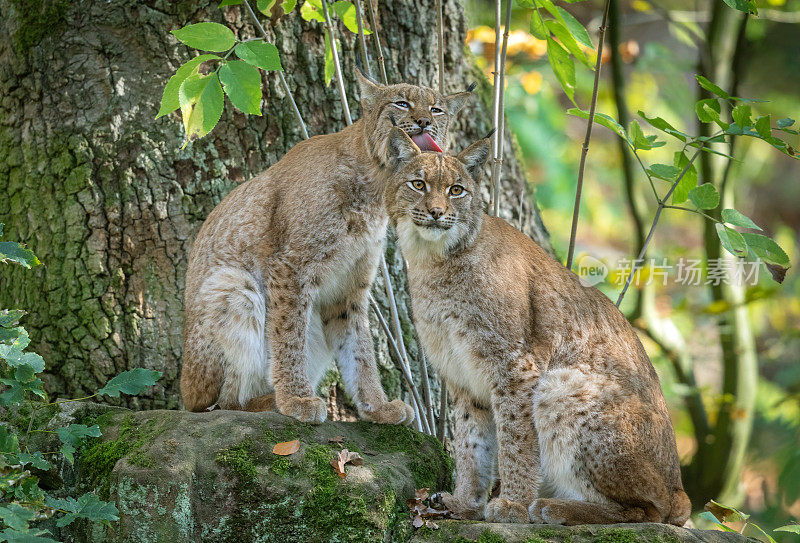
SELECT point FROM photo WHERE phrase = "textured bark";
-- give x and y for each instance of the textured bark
(110, 203)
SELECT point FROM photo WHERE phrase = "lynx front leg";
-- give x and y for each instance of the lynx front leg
(518, 445)
(288, 317)
(346, 328)
(475, 450)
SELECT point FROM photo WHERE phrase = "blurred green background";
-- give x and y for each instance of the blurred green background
(659, 48)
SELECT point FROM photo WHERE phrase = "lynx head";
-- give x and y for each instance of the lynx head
(434, 200)
(422, 113)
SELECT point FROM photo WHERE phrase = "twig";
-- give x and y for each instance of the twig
(439, 10)
(284, 84)
(498, 14)
(417, 403)
(426, 391)
(441, 430)
(498, 169)
(361, 39)
(661, 206)
(336, 66)
(377, 41)
(585, 149)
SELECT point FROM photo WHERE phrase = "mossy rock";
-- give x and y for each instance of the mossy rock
(454, 531)
(212, 477)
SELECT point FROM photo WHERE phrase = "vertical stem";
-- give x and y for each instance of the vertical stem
(362, 41)
(284, 84)
(439, 10)
(377, 41)
(336, 66)
(498, 14)
(498, 170)
(426, 391)
(585, 149)
(441, 430)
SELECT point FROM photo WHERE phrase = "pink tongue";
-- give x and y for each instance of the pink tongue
(425, 142)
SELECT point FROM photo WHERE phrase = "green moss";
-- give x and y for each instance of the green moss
(616, 535)
(489, 536)
(37, 19)
(240, 459)
(281, 466)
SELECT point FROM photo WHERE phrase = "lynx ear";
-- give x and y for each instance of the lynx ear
(367, 89)
(474, 157)
(456, 101)
(400, 148)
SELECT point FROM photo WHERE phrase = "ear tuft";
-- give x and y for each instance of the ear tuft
(456, 101)
(367, 89)
(474, 157)
(472, 86)
(400, 149)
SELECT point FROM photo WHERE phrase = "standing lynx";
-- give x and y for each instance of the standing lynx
(279, 275)
(544, 367)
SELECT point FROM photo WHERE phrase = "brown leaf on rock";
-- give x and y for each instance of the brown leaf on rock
(422, 513)
(344, 457)
(286, 448)
(336, 439)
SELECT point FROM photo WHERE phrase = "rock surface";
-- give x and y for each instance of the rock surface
(212, 477)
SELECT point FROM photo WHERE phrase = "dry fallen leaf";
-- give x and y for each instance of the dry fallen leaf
(336, 439)
(287, 447)
(343, 457)
(422, 513)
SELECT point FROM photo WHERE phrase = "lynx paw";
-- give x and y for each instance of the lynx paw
(459, 508)
(305, 409)
(503, 510)
(394, 412)
(542, 513)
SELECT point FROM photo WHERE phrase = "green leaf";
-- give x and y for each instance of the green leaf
(538, 29)
(74, 434)
(746, 6)
(311, 10)
(707, 110)
(17, 517)
(601, 119)
(687, 182)
(741, 115)
(36, 460)
(793, 528)
(766, 249)
(88, 506)
(705, 196)
(663, 171)
(68, 450)
(784, 123)
(288, 5)
(330, 68)
(9, 335)
(10, 317)
(638, 140)
(13, 536)
(575, 27)
(731, 216)
(260, 54)
(225, 3)
(265, 6)
(201, 102)
(756, 527)
(206, 36)
(565, 37)
(563, 67)
(731, 240)
(661, 124)
(169, 100)
(763, 126)
(9, 444)
(130, 382)
(242, 84)
(12, 251)
(347, 13)
(711, 87)
(14, 356)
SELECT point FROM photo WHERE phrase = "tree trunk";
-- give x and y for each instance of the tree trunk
(110, 203)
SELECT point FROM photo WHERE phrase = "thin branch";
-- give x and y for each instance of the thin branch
(284, 84)
(441, 430)
(377, 41)
(501, 108)
(498, 14)
(585, 149)
(336, 65)
(440, 11)
(426, 391)
(498, 118)
(661, 206)
(361, 39)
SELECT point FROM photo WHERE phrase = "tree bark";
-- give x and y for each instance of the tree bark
(110, 203)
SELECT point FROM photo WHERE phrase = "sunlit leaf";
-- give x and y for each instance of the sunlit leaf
(575, 27)
(225, 3)
(708, 110)
(664, 171)
(731, 240)
(130, 382)
(311, 10)
(330, 67)
(766, 249)
(567, 40)
(206, 36)
(242, 84)
(347, 13)
(169, 100)
(687, 182)
(711, 87)
(763, 126)
(601, 119)
(661, 124)
(563, 67)
(793, 528)
(732, 216)
(538, 29)
(201, 102)
(741, 115)
(637, 137)
(11, 251)
(705, 196)
(260, 54)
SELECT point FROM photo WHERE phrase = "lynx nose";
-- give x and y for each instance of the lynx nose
(436, 212)
(424, 122)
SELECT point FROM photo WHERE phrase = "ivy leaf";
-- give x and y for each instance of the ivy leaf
(74, 434)
(711, 87)
(12, 251)
(661, 124)
(687, 182)
(206, 36)
(575, 27)
(260, 54)
(705, 196)
(538, 29)
(36, 460)
(731, 240)
(130, 382)
(88, 506)
(731, 216)
(602, 119)
(567, 40)
(741, 115)
(563, 67)
(663, 171)
(347, 13)
(242, 84)
(311, 10)
(330, 68)
(169, 100)
(201, 102)
(708, 110)
(638, 140)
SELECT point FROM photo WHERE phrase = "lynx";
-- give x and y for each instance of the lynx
(279, 275)
(552, 387)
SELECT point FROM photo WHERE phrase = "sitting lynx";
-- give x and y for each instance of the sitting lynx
(544, 367)
(279, 275)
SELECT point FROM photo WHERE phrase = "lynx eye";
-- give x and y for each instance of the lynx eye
(456, 191)
(402, 104)
(418, 185)
(437, 111)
